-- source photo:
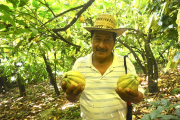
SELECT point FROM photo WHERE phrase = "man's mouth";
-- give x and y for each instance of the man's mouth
(101, 50)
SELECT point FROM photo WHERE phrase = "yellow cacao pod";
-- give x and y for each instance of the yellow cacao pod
(81, 18)
(130, 81)
(73, 77)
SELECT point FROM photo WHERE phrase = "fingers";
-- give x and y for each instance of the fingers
(72, 90)
(78, 89)
(132, 93)
(63, 86)
(127, 95)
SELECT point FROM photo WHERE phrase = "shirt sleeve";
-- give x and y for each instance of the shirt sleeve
(75, 66)
(130, 66)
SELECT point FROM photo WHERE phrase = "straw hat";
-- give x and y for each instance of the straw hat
(106, 22)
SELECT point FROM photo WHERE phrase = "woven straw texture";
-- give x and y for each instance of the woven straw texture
(105, 21)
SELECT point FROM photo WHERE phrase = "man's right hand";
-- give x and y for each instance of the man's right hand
(72, 93)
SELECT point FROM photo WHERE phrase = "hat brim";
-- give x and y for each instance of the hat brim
(117, 31)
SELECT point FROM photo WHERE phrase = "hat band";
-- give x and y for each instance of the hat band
(106, 19)
(102, 26)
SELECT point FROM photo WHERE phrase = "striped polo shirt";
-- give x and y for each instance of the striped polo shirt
(99, 100)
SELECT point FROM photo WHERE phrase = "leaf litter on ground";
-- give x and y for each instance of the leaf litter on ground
(41, 101)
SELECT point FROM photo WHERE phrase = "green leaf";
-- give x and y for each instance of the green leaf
(19, 31)
(177, 111)
(2, 26)
(4, 8)
(19, 44)
(160, 109)
(30, 59)
(101, 6)
(21, 22)
(167, 117)
(35, 3)
(153, 103)
(168, 65)
(14, 2)
(8, 18)
(34, 31)
(165, 102)
(177, 56)
(150, 21)
(23, 3)
(47, 45)
(174, 105)
(126, 1)
(146, 117)
(153, 114)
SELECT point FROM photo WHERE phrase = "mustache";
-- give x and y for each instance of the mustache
(101, 50)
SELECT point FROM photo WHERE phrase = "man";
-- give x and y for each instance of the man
(100, 98)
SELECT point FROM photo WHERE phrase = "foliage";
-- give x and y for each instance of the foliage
(34, 28)
(176, 91)
(173, 58)
(160, 106)
(68, 114)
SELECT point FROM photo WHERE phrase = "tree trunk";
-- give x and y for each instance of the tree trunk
(21, 86)
(152, 67)
(52, 79)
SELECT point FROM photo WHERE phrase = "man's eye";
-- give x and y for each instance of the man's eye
(97, 39)
(107, 40)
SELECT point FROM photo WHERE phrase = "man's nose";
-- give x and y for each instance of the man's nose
(101, 44)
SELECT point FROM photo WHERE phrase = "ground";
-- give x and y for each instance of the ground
(42, 103)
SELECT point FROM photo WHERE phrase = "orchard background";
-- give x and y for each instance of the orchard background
(41, 39)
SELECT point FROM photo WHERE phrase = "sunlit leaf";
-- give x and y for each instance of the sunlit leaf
(177, 56)
(34, 31)
(14, 2)
(8, 18)
(4, 8)
(168, 65)
(23, 3)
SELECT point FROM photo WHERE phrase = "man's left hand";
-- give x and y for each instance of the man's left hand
(128, 95)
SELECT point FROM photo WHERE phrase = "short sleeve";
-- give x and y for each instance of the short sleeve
(130, 66)
(76, 65)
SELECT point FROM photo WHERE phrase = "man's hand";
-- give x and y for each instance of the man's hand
(72, 93)
(129, 95)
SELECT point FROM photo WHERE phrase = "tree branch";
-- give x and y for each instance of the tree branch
(47, 6)
(135, 56)
(62, 14)
(149, 35)
(63, 39)
(140, 33)
(163, 51)
(76, 17)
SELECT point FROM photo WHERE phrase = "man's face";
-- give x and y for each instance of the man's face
(102, 43)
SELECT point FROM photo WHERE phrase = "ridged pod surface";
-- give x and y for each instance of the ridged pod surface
(130, 81)
(73, 77)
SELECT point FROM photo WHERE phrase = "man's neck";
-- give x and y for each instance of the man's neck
(99, 61)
